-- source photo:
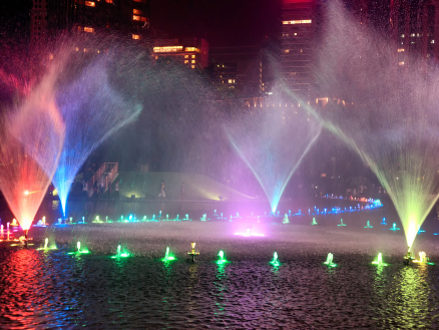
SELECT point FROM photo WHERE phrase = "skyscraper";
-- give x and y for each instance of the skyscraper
(298, 31)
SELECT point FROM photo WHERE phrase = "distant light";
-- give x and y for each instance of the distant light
(192, 49)
(89, 29)
(139, 18)
(90, 4)
(135, 36)
(26, 193)
(300, 21)
(401, 63)
(401, 50)
(167, 49)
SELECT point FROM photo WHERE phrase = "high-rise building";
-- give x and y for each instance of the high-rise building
(298, 31)
(128, 17)
(237, 70)
(415, 26)
(39, 26)
(193, 53)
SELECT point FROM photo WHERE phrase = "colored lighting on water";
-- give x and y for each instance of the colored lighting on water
(250, 232)
(80, 249)
(378, 261)
(169, 256)
(275, 261)
(341, 224)
(46, 246)
(394, 227)
(368, 225)
(221, 260)
(423, 259)
(314, 222)
(121, 253)
(329, 261)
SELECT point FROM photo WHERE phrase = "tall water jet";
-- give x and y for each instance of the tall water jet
(272, 141)
(32, 134)
(383, 103)
(92, 110)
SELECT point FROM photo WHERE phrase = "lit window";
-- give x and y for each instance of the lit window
(186, 56)
(401, 50)
(286, 51)
(403, 35)
(192, 49)
(85, 50)
(299, 21)
(193, 56)
(432, 42)
(89, 29)
(193, 66)
(139, 18)
(231, 81)
(167, 49)
(109, 1)
(193, 61)
(90, 4)
(401, 63)
(77, 49)
(135, 36)
(186, 61)
(137, 11)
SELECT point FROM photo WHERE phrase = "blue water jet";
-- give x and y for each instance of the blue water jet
(92, 110)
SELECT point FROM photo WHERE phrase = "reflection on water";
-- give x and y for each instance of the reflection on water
(52, 289)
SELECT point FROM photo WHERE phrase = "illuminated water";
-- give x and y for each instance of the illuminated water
(92, 110)
(386, 111)
(260, 139)
(57, 290)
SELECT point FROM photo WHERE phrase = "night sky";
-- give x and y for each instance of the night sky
(221, 22)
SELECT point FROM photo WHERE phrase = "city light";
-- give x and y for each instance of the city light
(299, 21)
(167, 49)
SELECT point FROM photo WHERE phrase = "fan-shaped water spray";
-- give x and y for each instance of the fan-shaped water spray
(32, 136)
(92, 110)
(383, 103)
(272, 141)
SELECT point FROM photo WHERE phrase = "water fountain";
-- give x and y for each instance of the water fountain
(275, 261)
(329, 261)
(92, 110)
(394, 227)
(80, 249)
(32, 134)
(341, 224)
(193, 252)
(169, 256)
(259, 138)
(385, 108)
(378, 261)
(314, 221)
(221, 260)
(368, 225)
(46, 246)
(121, 253)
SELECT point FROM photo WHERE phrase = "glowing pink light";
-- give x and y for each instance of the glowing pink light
(249, 233)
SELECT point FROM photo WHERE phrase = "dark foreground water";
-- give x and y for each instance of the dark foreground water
(52, 289)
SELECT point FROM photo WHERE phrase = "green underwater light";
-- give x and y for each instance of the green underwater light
(275, 261)
(46, 246)
(221, 258)
(329, 260)
(121, 253)
(80, 249)
(169, 256)
(378, 261)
